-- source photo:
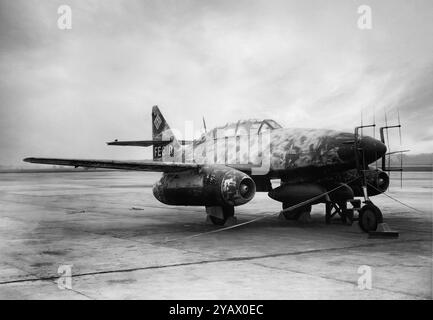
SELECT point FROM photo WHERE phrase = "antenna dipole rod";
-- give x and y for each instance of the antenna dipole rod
(399, 125)
(401, 154)
(204, 125)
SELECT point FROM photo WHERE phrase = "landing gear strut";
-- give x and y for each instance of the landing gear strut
(340, 208)
(369, 216)
(221, 216)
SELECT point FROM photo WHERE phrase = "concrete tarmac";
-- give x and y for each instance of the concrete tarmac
(121, 243)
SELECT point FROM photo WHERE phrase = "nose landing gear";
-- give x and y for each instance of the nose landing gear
(369, 216)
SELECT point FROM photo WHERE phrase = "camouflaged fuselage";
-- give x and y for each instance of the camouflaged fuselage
(281, 150)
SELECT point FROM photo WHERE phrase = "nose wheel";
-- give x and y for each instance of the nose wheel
(369, 217)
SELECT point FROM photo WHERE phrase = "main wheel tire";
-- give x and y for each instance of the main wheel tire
(295, 213)
(227, 212)
(217, 221)
(369, 217)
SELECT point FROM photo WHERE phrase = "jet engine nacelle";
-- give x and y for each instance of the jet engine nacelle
(378, 182)
(209, 186)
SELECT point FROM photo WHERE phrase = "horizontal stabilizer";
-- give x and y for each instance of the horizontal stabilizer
(140, 143)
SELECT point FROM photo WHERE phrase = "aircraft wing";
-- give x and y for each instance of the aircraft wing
(138, 165)
(134, 165)
(140, 143)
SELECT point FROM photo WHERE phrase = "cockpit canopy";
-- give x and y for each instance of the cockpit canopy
(245, 127)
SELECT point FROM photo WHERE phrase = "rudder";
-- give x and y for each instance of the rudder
(162, 131)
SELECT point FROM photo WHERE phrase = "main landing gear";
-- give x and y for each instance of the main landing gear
(221, 216)
(369, 216)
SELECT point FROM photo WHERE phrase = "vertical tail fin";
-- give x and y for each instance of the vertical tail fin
(162, 131)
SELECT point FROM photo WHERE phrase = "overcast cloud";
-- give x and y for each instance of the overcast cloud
(64, 93)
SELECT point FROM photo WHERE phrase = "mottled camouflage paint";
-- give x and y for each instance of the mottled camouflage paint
(249, 142)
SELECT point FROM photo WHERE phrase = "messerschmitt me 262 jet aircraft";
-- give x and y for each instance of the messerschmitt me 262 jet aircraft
(226, 166)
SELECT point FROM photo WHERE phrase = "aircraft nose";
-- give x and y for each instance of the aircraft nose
(373, 148)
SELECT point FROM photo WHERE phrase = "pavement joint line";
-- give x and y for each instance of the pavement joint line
(53, 280)
(340, 280)
(229, 259)
(325, 277)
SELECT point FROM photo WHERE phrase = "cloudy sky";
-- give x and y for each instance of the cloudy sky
(64, 93)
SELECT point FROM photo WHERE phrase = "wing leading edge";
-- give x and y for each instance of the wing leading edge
(134, 165)
(141, 143)
(137, 165)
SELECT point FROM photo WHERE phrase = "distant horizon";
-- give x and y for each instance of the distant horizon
(308, 64)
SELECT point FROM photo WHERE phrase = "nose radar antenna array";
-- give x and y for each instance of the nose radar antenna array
(384, 130)
(361, 165)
